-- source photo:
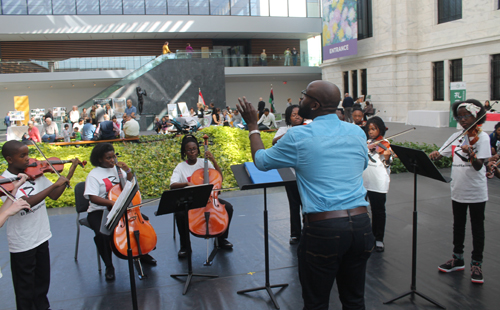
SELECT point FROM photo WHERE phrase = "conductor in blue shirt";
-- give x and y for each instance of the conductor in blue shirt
(329, 157)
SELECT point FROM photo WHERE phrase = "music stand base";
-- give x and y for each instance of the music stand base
(190, 276)
(268, 289)
(412, 293)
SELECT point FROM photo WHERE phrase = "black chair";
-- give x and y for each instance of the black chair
(82, 205)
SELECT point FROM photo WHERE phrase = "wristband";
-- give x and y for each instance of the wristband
(128, 171)
(253, 131)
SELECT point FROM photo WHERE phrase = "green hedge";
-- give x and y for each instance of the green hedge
(155, 158)
(398, 167)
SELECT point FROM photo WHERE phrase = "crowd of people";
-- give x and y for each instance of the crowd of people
(99, 124)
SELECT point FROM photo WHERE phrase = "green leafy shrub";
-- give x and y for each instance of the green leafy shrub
(398, 167)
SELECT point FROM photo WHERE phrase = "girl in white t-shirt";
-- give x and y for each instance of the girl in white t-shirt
(468, 185)
(97, 186)
(181, 177)
(376, 177)
(292, 118)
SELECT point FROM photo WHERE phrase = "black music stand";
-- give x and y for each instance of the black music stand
(109, 229)
(417, 162)
(183, 200)
(244, 183)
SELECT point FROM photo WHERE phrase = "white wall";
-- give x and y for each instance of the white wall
(253, 90)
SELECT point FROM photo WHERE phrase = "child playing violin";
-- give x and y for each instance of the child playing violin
(97, 186)
(28, 232)
(376, 177)
(181, 177)
(468, 185)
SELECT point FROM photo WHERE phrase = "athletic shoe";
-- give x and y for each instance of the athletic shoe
(476, 273)
(453, 264)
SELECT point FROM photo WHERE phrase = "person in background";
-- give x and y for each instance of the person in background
(216, 118)
(287, 53)
(192, 113)
(263, 58)
(79, 125)
(225, 118)
(33, 132)
(295, 55)
(6, 120)
(108, 110)
(76, 134)
(267, 120)
(357, 117)
(292, 119)
(99, 114)
(166, 50)
(49, 131)
(93, 115)
(84, 114)
(88, 130)
(368, 110)
(289, 102)
(189, 50)
(131, 128)
(116, 126)
(348, 103)
(236, 118)
(165, 124)
(487, 106)
(211, 107)
(74, 115)
(48, 115)
(260, 107)
(106, 129)
(66, 133)
(130, 110)
(495, 140)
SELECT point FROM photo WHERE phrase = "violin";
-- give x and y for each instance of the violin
(212, 220)
(6, 184)
(37, 168)
(379, 145)
(142, 235)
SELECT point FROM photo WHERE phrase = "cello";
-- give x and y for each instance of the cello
(142, 235)
(212, 220)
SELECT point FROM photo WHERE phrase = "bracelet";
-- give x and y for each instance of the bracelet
(253, 131)
(128, 171)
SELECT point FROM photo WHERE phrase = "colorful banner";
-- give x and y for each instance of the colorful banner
(22, 103)
(457, 93)
(340, 28)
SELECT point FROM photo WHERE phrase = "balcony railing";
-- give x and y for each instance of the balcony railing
(136, 62)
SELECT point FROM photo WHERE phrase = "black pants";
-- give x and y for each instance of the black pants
(31, 277)
(377, 203)
(335, 249)
(476, 211)
(295, 204)
(183, 228)
(103, 242)
(263, 127)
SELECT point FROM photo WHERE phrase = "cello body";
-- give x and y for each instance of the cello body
(139, 229)
(214, 213)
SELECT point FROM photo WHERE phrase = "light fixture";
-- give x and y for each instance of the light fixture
(94, 84)
(50, 86)
(5, 88)
(28, 87)
(72, 85)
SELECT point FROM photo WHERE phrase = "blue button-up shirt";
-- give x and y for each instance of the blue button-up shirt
(129, 111)
(329, 157)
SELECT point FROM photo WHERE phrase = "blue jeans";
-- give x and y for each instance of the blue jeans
(49, 138)
(335, 249)
(294, 58)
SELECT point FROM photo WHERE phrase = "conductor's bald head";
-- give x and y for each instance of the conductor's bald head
(326, 92)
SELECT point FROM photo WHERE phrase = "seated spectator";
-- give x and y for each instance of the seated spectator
(33, 132)
(495, 140)
(201, 111)
(192, 113)
(236, 118)
(225, 118)
(165, 124)
(267, 120)
(116, 126)
(76, 134)
(66, 133)
(106, 129)
(216, 117)
(79, 125)
(88, 130)
(157, 125)
(49, 131)
(131, 128)
(368, 110)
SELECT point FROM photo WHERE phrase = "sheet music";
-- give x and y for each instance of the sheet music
(129, 185)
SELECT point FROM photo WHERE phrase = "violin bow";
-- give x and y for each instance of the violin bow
(460, 136)
(12, 197)
(50, 164)
(395, 135)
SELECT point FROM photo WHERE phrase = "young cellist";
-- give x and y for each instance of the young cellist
(28, 232)
(469, 188)
(181, 177)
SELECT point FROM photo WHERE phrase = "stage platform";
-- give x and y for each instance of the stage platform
(78, 285)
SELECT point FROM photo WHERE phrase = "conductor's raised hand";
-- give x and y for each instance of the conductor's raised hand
(248, 112)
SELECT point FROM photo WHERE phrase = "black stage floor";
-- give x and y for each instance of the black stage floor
(80, 286)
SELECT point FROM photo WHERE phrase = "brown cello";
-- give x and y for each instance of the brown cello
(212, 220)
(142, 235)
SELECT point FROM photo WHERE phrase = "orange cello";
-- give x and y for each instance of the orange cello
(214, 213)
(142, 235)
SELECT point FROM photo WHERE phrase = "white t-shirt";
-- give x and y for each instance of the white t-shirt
(131, 128)
(26, 231)
(182, 173)
(467, 184)
(377, 176)
(99, 182)
(77, 125)
(74, 116)
(281, 131)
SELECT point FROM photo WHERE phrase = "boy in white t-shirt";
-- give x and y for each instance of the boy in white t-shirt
(28, 232)
(469, 189)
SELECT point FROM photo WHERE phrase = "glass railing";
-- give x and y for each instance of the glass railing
(136, 62)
